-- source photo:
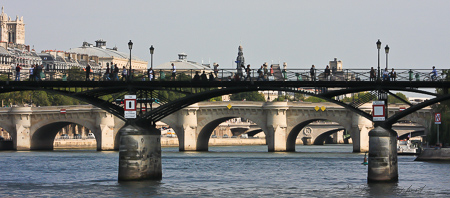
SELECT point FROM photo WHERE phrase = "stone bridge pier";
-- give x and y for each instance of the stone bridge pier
(360, 133)
(276, 135)
(184, 123)
(21, 134)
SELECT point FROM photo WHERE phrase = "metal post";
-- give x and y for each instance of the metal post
(151, 107)
(438, 134)
(378, 47)
(387, 52)
(129, 73)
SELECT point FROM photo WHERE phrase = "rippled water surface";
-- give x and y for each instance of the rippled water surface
(238, 171)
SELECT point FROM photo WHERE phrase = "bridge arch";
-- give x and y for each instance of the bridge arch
(342, 118)
(323, 137)
(206, 130)
(43, 134)
(413, 134)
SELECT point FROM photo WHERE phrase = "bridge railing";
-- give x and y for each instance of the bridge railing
(224, 75)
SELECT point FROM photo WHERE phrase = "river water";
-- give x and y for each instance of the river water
(235, 171)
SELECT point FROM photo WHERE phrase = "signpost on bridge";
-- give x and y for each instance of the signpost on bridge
(437, 121)
(378, 110)
(129, 106)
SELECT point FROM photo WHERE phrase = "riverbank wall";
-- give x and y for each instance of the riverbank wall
(432, 154)
(165, 142)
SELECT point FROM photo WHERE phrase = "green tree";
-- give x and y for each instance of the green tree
(314, 99)
(393, 100)
(299, 97)
(76, 74)
(280, 98)
(249, 96)
(357, 96)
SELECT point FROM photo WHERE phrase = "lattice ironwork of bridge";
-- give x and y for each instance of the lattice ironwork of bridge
(190, 92)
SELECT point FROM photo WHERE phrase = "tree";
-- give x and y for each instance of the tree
(249, 96)
(393, 100)
(281, 98)
(299, 97)
(314, 99)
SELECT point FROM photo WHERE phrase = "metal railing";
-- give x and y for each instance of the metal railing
(223, 75)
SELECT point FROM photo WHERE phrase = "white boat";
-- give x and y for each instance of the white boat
(406, 147)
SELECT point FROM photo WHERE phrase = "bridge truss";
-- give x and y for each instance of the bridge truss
(108, 94)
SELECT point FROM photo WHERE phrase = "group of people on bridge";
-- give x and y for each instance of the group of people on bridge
(35, 72)
(243, 73)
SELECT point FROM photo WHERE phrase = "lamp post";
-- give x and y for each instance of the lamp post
(386, 49)
(130, 46)
(378, 47)
(152, 49)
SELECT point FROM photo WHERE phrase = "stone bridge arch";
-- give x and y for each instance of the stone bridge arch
(44, 131)
(36, 127)
(208, 118)
(7, 126)
(357, 125)
(320, 139)
(300, 118)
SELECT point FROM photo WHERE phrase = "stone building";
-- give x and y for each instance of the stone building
(11, 31)
(105, 56)
(182, 65)
(335, 65)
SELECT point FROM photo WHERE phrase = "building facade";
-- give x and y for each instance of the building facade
(106, 56)
(11, 31)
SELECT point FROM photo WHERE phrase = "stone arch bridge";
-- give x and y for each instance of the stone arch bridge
(34, 128)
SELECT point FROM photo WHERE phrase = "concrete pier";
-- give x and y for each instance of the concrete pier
(139, 153)
(383, 165)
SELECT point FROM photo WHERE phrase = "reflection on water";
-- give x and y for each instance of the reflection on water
(245, 171)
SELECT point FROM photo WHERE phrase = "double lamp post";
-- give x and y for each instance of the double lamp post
(130, 46)
(386, 49)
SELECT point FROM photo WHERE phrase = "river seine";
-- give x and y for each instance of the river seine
(238, 171)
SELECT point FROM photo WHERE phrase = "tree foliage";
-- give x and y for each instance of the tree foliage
(248, 96)
(394, 100)
(444, 128)
(314, 99)
(37, 98)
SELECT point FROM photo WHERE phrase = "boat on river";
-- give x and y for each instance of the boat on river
(406, 147)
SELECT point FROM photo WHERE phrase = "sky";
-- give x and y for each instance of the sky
(298, 32)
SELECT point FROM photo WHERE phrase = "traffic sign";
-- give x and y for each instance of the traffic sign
(437, 118)
(402, 109)
(62, 111)
(129, 107)
(378, 111)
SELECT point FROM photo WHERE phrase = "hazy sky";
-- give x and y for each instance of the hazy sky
(300, 33)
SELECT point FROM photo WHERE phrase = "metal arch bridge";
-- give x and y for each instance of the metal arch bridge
(94, 92)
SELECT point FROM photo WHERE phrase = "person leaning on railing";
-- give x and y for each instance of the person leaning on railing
(393, 74)
(372, 74)
(327, 72)
(385, 75)
(18, 72)
(312, 72)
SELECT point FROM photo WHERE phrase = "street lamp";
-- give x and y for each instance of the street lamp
(130, 46)
(152, 49)
(378, 47)
(386, 49)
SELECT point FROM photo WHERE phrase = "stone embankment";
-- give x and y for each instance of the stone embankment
(75, 144)
(165, 142)
(434, 155)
